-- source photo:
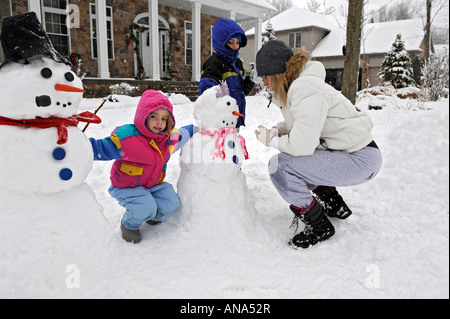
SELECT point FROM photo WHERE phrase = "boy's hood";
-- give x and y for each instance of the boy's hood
(223, 31)
(151, 101)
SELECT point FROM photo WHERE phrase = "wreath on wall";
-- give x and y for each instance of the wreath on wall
(134, 31)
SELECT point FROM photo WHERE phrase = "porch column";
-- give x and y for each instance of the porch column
(196, 41)
(154, 39)
(35, 5)
(102, 42)
(258, 38)
(232, 15)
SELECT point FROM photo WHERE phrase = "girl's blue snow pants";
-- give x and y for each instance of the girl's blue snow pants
(158, 203)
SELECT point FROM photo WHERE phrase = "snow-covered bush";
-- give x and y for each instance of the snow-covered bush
(269, 34)
(435, 76)
(122, 88)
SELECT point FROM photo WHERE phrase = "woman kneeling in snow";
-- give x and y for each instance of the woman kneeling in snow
(324, 141)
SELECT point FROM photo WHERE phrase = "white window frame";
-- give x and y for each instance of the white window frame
(92, 19)
(186, 48)
(294, 34)
(60, 12)
(212, 46)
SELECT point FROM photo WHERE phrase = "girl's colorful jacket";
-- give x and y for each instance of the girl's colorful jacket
(141, 156)
(224, 64)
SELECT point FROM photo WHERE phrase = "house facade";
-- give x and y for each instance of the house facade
(140, 39)
(325, 37)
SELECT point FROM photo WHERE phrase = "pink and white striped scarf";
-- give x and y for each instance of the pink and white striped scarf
(220, 141)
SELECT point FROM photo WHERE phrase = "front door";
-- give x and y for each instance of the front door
(164, 42)
(163, 52)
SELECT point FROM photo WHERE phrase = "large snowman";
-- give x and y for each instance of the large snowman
(212, 187)
(55, 241)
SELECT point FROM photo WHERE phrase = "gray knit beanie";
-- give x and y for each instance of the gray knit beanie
(272, 58)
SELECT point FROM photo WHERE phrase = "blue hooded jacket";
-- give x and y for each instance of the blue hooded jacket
(224, 64)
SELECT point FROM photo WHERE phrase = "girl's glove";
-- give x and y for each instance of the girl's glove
(264, 135)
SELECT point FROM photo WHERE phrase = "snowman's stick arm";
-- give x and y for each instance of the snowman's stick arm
(95, 112)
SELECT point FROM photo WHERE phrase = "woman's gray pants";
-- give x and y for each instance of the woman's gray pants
(295, 176)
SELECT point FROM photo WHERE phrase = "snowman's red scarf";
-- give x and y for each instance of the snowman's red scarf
(60, 123)
(220, 141)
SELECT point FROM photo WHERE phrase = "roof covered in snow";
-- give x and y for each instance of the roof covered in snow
(261, 3)
(377, 37)
(243, 9)
(295, 18)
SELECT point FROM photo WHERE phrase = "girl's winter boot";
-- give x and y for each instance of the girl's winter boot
(131, 236)
(332, 202)
(153, 222)
(317, 226)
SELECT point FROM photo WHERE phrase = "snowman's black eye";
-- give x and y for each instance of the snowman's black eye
(69, 76)
(46, 73)
(228, 103)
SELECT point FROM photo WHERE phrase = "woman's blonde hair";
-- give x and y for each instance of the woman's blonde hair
(281, 82)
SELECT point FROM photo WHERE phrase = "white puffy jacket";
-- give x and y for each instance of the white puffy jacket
(319, 117)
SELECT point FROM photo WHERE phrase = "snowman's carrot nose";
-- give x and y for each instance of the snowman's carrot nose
(68, 88)
(238, 114)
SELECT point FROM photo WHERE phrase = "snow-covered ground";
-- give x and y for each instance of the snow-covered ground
(395, 245)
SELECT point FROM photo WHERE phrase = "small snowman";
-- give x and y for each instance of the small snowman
(50, 221)
(212, 187)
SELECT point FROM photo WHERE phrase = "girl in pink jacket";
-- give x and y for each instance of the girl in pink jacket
(141, 152)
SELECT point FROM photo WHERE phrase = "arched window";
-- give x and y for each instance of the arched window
(143, 20)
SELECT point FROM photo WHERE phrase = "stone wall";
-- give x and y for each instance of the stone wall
(101, 88)
(124, 12)
(19, 6)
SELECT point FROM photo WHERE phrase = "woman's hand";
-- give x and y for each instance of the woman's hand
(264, 135)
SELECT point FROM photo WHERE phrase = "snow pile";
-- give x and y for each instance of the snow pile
(176, 98)
(380, 97)
(122, 88)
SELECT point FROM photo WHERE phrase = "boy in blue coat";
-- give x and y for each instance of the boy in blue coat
(224, 65)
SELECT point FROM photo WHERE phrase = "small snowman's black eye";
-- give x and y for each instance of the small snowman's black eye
(228, 103)
(46, 73)
(69, 76)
